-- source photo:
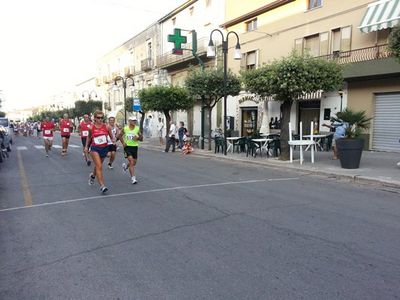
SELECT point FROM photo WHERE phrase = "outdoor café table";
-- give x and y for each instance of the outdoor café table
(263, 142)
(230, 141)
(317, 138)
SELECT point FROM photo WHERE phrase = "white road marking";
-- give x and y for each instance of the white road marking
(22, 148)
(57, 146)
(75, 146)
(146, 192)
(39, 147)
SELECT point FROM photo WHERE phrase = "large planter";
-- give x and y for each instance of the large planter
(349, 152)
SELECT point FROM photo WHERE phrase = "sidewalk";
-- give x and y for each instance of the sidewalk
(375, 167)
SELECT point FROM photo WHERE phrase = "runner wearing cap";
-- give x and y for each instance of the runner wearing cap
(112, 146)
(97, 140)
(83, 129)
(129, 137)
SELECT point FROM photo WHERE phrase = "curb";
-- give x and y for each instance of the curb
(392, 184)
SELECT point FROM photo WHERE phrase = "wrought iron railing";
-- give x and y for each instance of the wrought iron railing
(359, 55)
(169, 58)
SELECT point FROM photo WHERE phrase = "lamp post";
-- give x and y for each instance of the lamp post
(89, 94)
(237, 56)
(124, 81)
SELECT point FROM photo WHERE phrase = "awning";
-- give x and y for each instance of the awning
(381, 14)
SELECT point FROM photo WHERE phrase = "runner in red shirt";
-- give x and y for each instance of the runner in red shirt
(65, 130)
(97, 140)
(84, 128)
(48, 128)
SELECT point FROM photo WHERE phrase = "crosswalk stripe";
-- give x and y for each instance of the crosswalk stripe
(22, 148)
(57, 146)
(39, 147)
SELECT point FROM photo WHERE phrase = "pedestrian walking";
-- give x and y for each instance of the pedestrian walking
(48, 128)
(339, 129)
(98, 144)
(83, 129)
(129, 137)
(112, 146)
(66, 127)
(171, 137)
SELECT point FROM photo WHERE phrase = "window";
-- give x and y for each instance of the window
(208, 3)
(251, 25)
(149, 51)
(249, 60)
(314, 3)
(341, 39)
(173, 21)
(315, 45)
(191, 10)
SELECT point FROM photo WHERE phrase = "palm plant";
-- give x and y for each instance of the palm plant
(357, 121)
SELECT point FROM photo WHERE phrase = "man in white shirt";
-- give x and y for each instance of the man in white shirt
(160, 130)
(171, 137)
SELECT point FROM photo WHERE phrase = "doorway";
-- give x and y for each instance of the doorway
(249, 121)
(309, 110)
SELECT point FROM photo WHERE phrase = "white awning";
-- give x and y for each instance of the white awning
(381, 14)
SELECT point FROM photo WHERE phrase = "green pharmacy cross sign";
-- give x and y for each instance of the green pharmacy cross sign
(178, 40)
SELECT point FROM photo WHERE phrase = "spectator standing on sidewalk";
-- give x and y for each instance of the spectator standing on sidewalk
(171, 137)
(182, 132)
(340, 131)
(160, 130)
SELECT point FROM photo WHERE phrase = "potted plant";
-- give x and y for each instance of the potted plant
(351, 145)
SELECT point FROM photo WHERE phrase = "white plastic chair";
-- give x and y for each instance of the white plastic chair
(293, 143)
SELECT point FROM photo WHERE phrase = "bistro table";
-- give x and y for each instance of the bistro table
(230, 141)
(263, 142)
(318, 139)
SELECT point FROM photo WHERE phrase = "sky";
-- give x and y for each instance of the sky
(49, 46)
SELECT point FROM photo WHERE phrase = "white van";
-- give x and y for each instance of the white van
(6, 123)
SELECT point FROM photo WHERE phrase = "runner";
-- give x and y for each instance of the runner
(48, 128)
(83, 128)
(112, 147)
(65, 130)
(97, 141)
(129, 138)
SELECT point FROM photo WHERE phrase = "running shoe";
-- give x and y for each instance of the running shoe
(134, 181)
(104, 189)
(110, 167)
(124, 167)
(47, 155)
(88, 163)
(91, 179)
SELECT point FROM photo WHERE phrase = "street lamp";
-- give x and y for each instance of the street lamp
(89, 94)
(237, 55)
(124, 81)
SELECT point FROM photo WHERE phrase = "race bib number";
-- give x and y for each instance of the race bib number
(65, 129)
(130, 136)
(47, 131)
(99, 140)
(85, 133)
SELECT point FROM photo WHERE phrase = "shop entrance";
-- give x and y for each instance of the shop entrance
(249, 120)
(309, 110)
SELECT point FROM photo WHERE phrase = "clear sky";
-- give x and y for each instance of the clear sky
(49, 46)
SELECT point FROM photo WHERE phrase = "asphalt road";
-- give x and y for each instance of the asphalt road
(192, 228)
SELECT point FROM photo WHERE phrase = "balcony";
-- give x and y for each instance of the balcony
(169, 59)
(146, 64)
(359, 55)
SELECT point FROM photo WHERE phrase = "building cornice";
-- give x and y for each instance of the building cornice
(256, 12)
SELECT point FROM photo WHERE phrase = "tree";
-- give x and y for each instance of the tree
(208, 85)
(394, 42)
(86, 107)
(164, 99)
(2, 114)
(288, 79)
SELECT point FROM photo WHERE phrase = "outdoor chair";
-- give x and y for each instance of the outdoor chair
(275, 146)
(240, 145)
(252, 147)
(293, 143)
(219, 145)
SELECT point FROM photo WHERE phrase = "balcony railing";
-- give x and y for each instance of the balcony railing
(146, 64)
(170, 59)
(359, 55)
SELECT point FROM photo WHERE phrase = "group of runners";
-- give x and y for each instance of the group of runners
(99, 141)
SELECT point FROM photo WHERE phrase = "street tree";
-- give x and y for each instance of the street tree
(288, 80)
(164, 99)
(208, 85)
(86, 107)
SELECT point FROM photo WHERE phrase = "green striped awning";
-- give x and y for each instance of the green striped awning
(380, 15)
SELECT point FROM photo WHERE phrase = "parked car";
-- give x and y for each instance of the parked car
(7, 124)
